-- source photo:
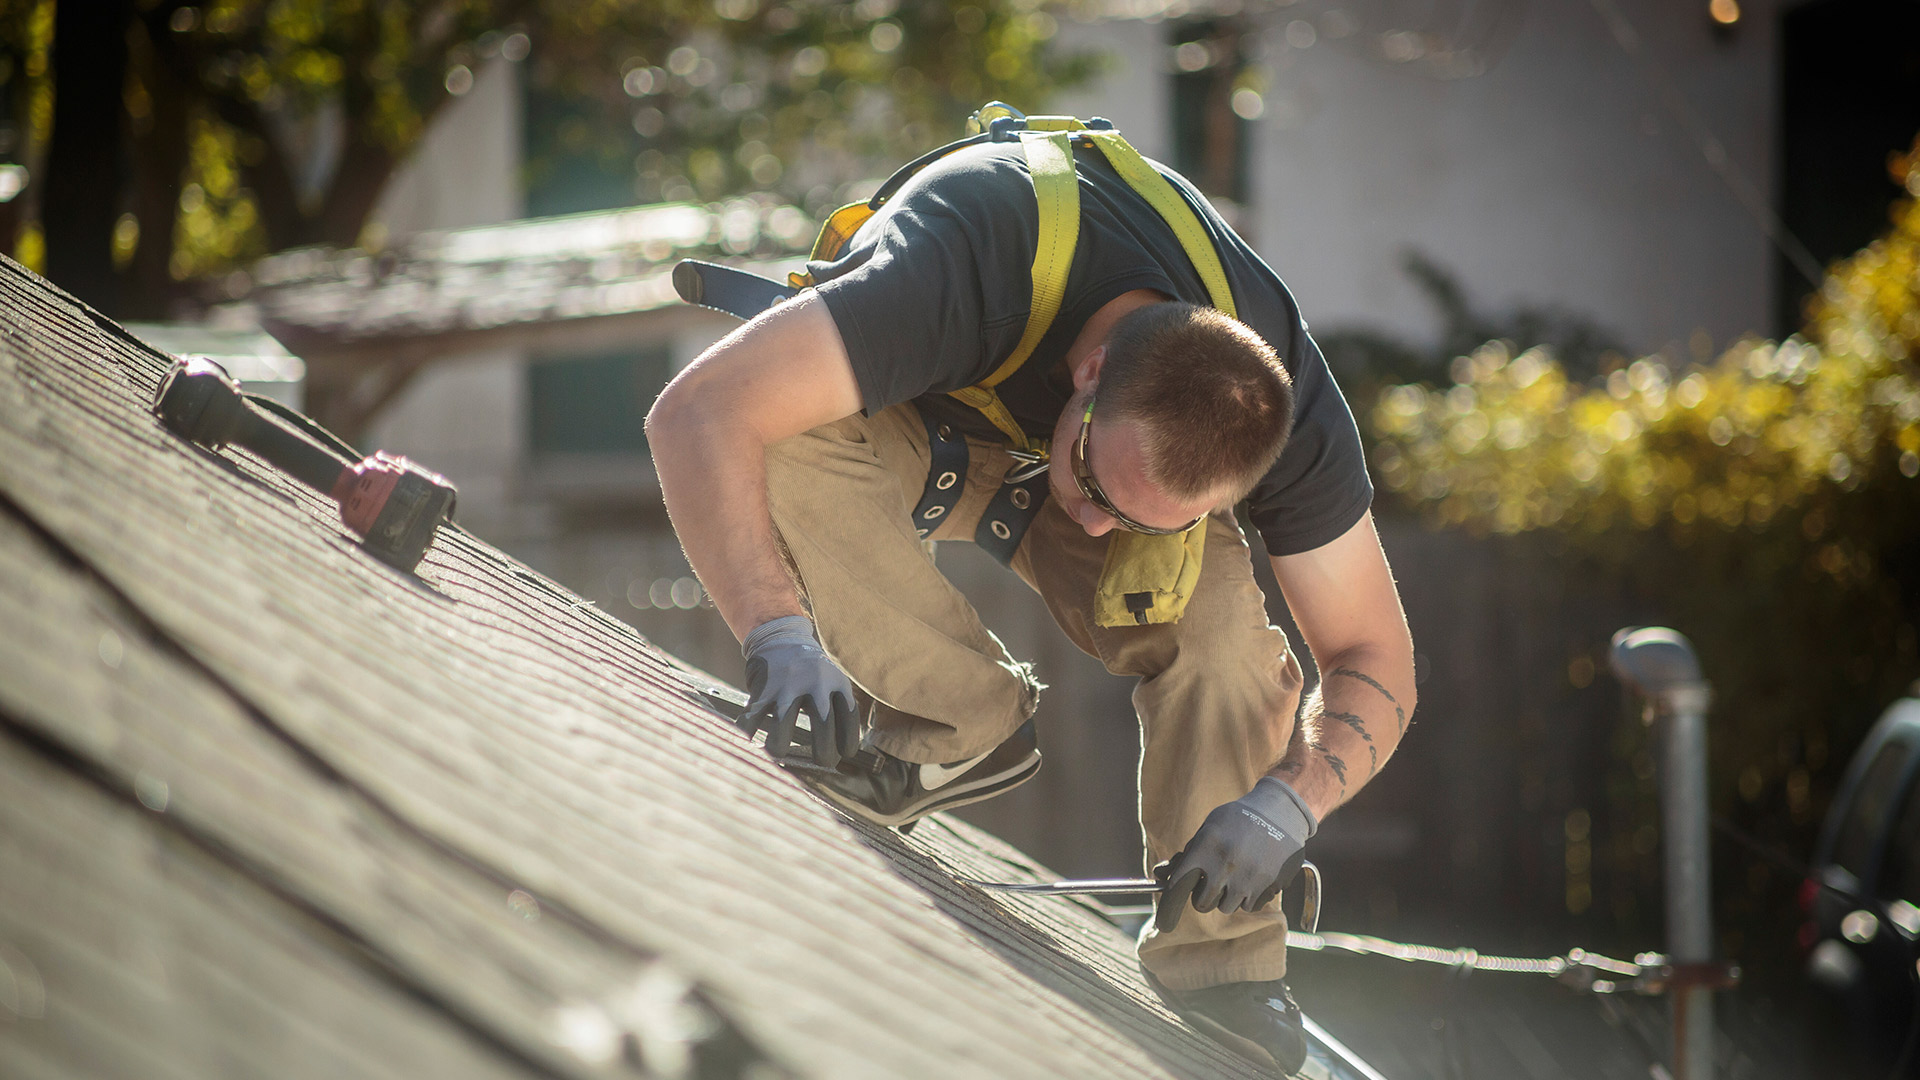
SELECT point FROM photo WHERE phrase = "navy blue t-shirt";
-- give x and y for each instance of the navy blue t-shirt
(933, 293)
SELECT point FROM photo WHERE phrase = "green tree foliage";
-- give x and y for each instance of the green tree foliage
(1766, 501)
(26, 112)
(234, 108)
(798, 98)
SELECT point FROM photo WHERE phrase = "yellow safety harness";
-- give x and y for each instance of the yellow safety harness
(1145, 579)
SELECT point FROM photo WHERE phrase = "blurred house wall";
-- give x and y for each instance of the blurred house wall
(1559, 176)
(466, 170)
(463, 415)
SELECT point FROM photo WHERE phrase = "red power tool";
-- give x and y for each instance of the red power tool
(393, 505)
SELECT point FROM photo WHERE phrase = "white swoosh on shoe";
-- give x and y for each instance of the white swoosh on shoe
(933, 777)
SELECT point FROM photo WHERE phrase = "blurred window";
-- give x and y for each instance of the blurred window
(1871, 804)
(1849, 97)
(594, 404)
(1901, 878)
(579, 155)
(1209, 137)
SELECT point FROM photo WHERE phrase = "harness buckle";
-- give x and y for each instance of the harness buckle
(1030, 463)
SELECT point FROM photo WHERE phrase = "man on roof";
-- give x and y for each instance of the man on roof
(807, 457)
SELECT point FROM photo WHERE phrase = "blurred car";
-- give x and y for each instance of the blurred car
(1862, 900)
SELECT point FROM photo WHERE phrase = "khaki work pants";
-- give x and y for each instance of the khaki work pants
(1216, 693)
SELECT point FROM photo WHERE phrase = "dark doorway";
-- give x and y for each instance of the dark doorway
(1850, 97)
(1209, 138)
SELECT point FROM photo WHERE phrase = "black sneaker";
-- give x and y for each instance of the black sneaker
(888, 791)
(1257, 1020)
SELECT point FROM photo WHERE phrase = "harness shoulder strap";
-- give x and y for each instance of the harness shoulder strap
(1145, 179)
(1056, 191)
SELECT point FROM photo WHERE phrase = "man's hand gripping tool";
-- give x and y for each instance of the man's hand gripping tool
(393, 505)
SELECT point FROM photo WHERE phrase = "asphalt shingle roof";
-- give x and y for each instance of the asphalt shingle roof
(273, 808)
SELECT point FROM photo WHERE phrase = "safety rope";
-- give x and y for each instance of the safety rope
(1647, 973)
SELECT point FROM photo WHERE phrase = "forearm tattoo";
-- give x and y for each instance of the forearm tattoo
(1339, 767)
(1399, 714)
(1309, 741)
(1359, 727)
(1310, 736)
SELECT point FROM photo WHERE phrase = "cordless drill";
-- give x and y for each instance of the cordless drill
(393, 505)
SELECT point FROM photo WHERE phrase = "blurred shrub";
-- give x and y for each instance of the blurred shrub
(1514, 445)
(1766, 502)
(1766, 433)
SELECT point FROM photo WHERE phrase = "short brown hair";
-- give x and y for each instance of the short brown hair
(1213, 400)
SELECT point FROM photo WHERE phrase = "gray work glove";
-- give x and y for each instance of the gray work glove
(787, 671)
(1243, 855)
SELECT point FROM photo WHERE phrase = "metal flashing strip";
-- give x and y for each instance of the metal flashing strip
(1323, 1039)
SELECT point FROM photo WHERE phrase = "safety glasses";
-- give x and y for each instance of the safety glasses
(1089, 487)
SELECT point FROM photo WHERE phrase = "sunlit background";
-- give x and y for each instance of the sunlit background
(1625, 295)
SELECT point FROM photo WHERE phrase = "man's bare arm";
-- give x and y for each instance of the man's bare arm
(783, 373)
(1343, 598)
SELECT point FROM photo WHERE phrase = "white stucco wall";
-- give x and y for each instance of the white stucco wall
(463, 416)
(1559, 177)
(1133, 91)
(466, 169)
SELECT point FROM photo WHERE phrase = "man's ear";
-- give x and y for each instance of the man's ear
(1086, 373)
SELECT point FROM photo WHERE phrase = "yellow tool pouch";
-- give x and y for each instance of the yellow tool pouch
(1148, 579)
(1145, 579)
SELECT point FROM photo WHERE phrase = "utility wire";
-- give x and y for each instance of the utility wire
(1711, 148)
